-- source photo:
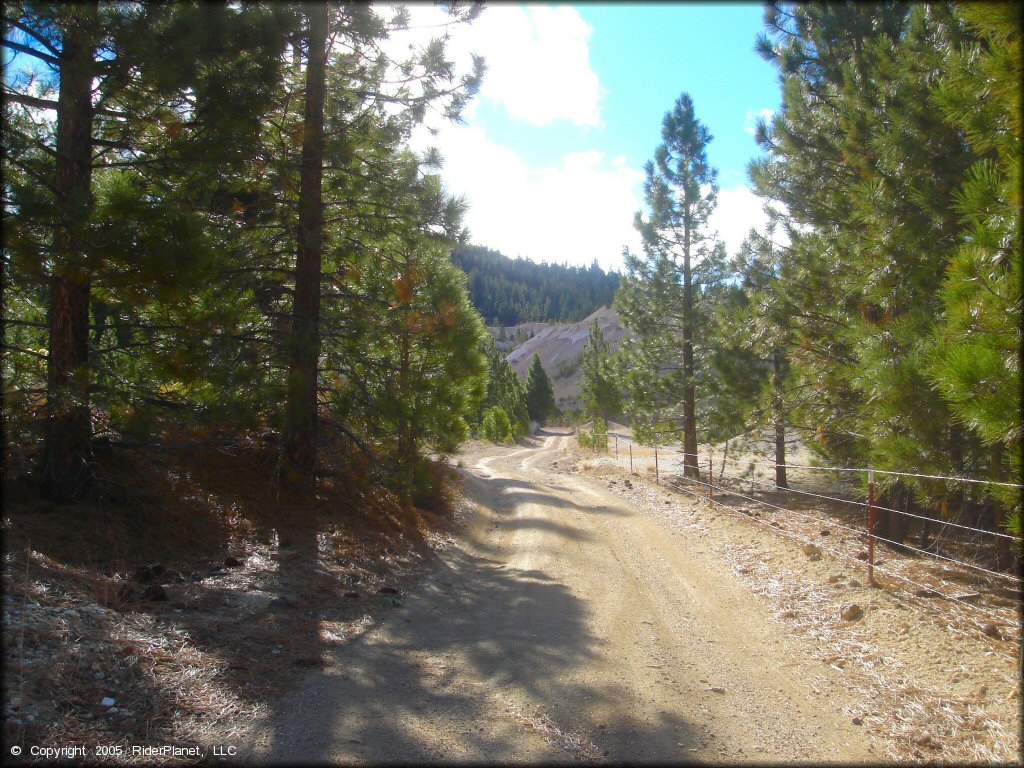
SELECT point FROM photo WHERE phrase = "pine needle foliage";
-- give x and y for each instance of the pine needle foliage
(900, 288)
(159, 188)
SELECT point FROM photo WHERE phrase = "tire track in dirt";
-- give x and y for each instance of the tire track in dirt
(565, 625)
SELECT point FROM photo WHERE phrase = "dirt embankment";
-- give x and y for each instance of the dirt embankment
(190, 593)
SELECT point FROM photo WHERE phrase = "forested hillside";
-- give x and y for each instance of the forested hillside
(510, 291)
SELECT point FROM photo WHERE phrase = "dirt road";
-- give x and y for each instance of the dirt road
(565, 626)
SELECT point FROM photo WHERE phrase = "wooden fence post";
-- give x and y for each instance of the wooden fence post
(656, 477)
(711, 477)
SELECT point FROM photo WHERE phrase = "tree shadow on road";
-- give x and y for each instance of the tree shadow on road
(511, 493)
(457, 671)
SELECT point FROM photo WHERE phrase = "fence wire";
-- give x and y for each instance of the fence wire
(640, 457)
(836, 553)
(892, 472)
(936, 520)
(729, 490)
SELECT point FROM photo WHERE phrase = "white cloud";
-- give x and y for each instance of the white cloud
(538, 71)
(539, 64)
(576, 211)
(538, 59)
(752, 117)
(738, 210)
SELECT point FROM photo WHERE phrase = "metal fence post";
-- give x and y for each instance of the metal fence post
(631, 458)
(656, 476)
(871, 527)
(616, 449)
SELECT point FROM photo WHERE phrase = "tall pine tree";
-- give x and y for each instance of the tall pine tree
(134, 91)
(660, 295)
(874, 176)
(300, 427)
(976, 363)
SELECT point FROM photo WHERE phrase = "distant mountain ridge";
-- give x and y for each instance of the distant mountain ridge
(508, 292)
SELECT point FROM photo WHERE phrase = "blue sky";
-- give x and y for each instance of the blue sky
(551, 156)
(645, 56)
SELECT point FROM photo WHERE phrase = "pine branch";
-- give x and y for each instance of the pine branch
(34, 101)
(27, 29)
(26, 323)
(51, 60)
(112, 144)
(344, 430)
(22, 350)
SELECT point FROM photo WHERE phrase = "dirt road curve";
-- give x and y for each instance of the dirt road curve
(566, 626)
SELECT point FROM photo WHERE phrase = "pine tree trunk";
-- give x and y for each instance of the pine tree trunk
(68, 428)
(406, 445)
(780, 423)
(300, 438)
(690, 468)
(891, 525)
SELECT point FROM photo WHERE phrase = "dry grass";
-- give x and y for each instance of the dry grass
(919, 722)
(579, 747)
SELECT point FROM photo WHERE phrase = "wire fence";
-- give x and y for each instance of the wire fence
(666, 470)
(937, 521)
(895, 473)
(877, 537)
(903, 512)
(838, 554)
(726, 490)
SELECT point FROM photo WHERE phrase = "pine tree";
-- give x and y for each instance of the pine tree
(976, 359)
(869, 168)
(418, 355)
(495, 427)
(540, 396)
(208, 198)
(119, 74)
(599, 393)
(504, 390)
(660, 296)
(368, 200)
(300, 432)
(760, 325)
(68, 430)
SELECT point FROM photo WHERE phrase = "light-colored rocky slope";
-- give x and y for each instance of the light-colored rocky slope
(560, 347)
